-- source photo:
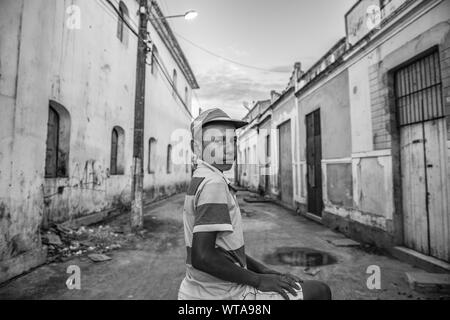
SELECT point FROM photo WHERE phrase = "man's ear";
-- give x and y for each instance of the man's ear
(192, 145)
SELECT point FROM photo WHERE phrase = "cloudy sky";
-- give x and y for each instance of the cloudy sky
(267, 35)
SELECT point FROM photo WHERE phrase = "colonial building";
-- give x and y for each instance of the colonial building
(367, 148)
(67, 97)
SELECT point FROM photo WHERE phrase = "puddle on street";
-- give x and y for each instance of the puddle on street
(305, 257)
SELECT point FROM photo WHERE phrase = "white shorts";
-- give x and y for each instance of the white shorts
(249, 293)
(254, 294)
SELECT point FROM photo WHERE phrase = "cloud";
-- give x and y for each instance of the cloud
(286, 69)
(228, 86)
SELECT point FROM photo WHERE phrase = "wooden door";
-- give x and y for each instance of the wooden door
(423, 156)
(267, 166)
(285, 156)
(314, 163)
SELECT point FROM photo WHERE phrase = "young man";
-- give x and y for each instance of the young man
(217, 266)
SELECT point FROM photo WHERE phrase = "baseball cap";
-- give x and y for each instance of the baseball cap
(211, 116)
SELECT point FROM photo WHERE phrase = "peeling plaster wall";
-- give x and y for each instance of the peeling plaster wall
(92, 74)
(24, 97)
(10, 31)
(376, 212)
(248, 139)
(332, 99)
(284, 111)
(265, 162)
(374, 158)
(168, 121)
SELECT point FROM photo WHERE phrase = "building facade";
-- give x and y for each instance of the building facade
(400, 107)
(67, 96)
(367, 145)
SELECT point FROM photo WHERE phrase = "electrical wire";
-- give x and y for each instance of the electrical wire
(170, 81)
(125, 20)
(227, 59)
(156, 58)
(131, 21)
(165, 6)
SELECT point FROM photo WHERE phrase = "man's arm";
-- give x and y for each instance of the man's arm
(258, 267)
(206, 258)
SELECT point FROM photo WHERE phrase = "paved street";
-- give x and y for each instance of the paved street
(154, 266)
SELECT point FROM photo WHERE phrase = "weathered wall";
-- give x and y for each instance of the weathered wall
(91, 73)
(265, 129)
(91, 78)
(284, 111)
(331, 97)
(10, 22)
(249, 166)
(333, 100)
(168, 121)
(23, 141)
(375, 153)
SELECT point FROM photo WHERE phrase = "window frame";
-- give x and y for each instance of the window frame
(119, 169)
(122, 35)
(151, 165)
(169, 159)
(62, 145)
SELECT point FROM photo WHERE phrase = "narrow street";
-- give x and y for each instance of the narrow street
(153, 267)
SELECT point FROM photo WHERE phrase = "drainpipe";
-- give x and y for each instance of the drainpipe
(137, 185)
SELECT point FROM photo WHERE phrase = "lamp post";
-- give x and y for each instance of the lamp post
(137, 188)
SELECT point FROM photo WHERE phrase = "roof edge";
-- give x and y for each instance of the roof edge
(165, 32)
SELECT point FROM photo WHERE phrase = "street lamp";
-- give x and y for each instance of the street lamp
(189, 15)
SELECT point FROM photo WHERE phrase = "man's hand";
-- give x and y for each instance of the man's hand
(278, 283)
(290, 276)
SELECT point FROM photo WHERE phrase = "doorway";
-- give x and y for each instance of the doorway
(314, 163)
(285, 156)
(423, 156)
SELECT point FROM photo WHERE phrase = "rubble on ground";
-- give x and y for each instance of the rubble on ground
(64, 243)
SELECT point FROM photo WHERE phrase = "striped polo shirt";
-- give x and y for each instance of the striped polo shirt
(211, 206)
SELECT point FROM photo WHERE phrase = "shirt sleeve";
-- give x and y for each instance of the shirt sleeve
(211, 212)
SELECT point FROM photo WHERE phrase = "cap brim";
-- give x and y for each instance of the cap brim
(237, 123)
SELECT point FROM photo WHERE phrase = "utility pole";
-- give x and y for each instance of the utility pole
(137, 187)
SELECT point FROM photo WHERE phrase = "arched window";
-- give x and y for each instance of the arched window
(58, 141)
(152, 155)
(169, 159)
(117, 166)
(174, 80)
(122, 33)
(186, 95)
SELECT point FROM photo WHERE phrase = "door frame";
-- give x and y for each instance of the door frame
(279, 157)
(320, 214)
(399, 215)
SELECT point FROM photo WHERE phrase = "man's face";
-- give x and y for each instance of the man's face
(219, 145)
